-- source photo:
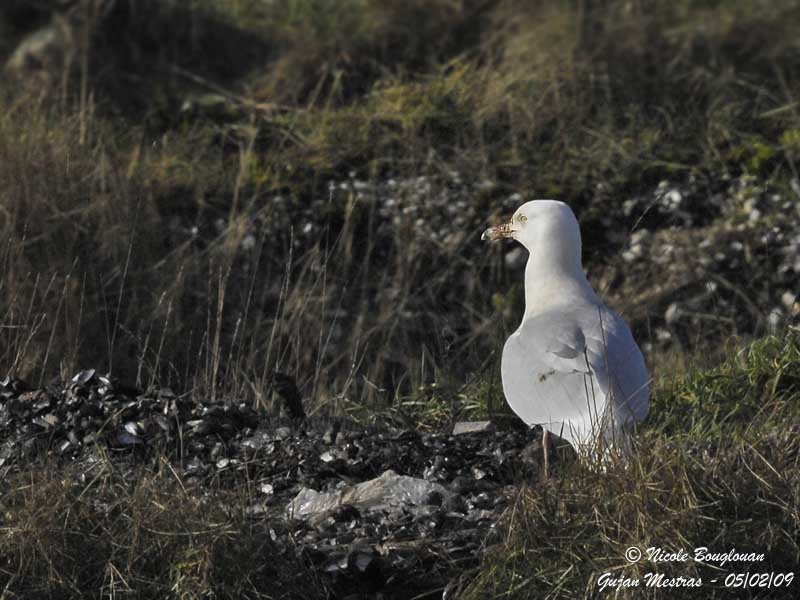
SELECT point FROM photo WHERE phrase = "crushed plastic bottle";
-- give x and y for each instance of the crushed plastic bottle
(390, 491)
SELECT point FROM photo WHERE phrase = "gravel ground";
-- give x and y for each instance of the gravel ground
(372, 508)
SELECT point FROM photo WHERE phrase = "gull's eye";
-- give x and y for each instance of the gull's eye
(522, 218)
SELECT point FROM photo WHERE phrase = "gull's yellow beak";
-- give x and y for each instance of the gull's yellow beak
(498, 232)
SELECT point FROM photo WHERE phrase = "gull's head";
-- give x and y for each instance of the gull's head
(546, 226)
(536, 221)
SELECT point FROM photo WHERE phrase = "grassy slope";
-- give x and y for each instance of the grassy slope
(108, 161)
(140, 178)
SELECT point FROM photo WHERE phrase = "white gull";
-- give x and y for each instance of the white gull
(572, 366)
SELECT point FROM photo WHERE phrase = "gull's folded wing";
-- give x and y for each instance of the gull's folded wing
(576, 371)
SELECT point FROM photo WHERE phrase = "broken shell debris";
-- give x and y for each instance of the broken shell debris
(365, 505)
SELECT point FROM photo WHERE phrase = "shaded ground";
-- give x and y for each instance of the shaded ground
(415, 538)
(197, 504)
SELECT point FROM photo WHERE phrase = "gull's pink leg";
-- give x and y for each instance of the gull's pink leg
(546, 452)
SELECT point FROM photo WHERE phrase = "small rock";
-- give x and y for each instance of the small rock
(463, 427)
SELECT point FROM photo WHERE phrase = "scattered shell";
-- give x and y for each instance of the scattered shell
(376, 502)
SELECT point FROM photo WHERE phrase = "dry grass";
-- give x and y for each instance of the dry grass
(114, 532)
(147, 238)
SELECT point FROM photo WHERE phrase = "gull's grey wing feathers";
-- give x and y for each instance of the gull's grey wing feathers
(566, 342)
(576, 371)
